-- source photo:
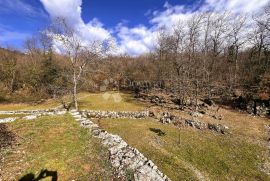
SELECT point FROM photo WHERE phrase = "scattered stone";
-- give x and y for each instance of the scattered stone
(218, 128)
(196, 114)
(200, 125)
(166, 117)
(195, 124)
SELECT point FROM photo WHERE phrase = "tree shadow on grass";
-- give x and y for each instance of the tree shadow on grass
(158, 131)
(43, 174)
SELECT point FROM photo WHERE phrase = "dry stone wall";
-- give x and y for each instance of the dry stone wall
(44, 112)
(29, 114)
(115, 114)
(123, 157)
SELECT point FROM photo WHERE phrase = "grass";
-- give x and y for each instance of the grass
(241, 124)
(59, 144)
(2, 116)
(217, 157)
(109, 101)
(56, 143)
(27, 106)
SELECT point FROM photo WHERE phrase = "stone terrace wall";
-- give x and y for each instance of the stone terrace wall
(29, 114)
(123, 157)
(115, 114)
(45, 111)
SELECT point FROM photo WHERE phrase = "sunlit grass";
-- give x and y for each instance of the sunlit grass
(48, 104)
(109, 101)
(2, 116)
(218, 157)
(56, 143)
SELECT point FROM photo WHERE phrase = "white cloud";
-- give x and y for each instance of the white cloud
(138, 40)
(20, 7)
(237, 6)
(141, 39)
(71, 11)
(68, 9)
(8, 35)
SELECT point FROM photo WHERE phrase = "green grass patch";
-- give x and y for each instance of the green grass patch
(109, 101)
(55, 143)
(217, 157)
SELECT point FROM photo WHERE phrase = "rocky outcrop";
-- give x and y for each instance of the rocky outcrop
(123, 157)
(219, 128)
(166, 117)
(258, 109)
(115, 114)
(196, 124)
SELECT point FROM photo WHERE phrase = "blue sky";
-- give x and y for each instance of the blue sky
(21, 18)
(111, 12)
(132, 23)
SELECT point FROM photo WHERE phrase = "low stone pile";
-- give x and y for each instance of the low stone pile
(166, 117)
(7, 120)
(261, 110)
(196, 124)
(42, 112)
(34, 114)
(123, 157)
(219, 128)
(115, 114)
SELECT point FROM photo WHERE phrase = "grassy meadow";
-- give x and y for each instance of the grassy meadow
(58, 144)
(188, 154)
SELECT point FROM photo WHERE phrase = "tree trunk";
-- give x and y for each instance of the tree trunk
(75, 90)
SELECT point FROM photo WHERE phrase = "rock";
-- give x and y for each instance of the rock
(218, 117)
(196, 114)
(166, 117)
(195, 124)
(122, 156)
(31, 117)
(7, 120)
(209, 101)
(218, 128)
(114, 114)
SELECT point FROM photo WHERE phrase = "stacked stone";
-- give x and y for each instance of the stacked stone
(123, 157)
(34, 114)
(42, 112)
(7, 120)
(115, 114)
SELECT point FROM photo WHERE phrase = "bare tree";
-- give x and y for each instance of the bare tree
(237, 39)
(78, 53)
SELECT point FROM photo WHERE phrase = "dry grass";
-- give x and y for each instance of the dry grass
(240, 124)
(215, 156)
(109, 101)
(27, 106)
(56, 143)
(2, 116)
